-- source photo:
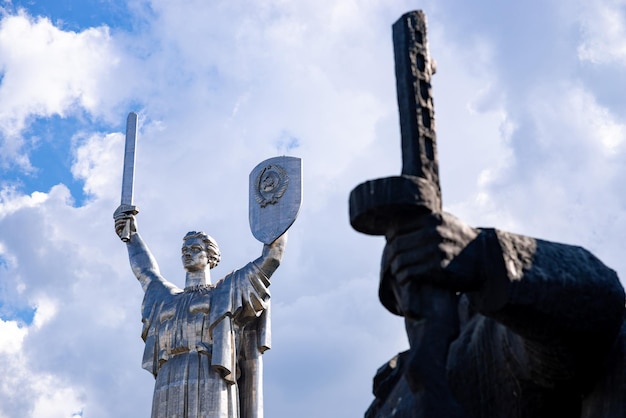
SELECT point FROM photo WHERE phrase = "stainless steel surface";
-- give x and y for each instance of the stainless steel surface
(275, 197)
(128, 176)
(204, 343)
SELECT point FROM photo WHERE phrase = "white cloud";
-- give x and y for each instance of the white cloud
(46, 309)
(11, 200)
(12, 337)
(47, 71)
(56, 403)
(603, 32)
(575, 118)
(26, 391)
(96, 157)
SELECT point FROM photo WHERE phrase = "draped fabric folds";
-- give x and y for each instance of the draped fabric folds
(197, 345)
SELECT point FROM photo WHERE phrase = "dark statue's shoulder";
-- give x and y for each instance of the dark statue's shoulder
(608, 396)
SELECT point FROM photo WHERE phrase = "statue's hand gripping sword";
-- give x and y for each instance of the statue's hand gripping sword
(128, 177)
(389, 206)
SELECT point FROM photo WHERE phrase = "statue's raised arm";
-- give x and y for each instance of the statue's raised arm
(272, 254)
(142, 262)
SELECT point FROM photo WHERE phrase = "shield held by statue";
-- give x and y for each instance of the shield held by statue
(275, 197)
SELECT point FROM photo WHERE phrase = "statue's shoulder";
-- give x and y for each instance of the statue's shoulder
(161, 288)
(241, 273)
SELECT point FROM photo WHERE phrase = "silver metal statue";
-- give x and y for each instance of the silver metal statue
(203, 343)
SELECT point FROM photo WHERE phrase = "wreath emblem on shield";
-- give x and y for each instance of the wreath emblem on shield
(271, 184)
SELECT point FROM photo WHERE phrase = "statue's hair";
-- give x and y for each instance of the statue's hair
(210, 246)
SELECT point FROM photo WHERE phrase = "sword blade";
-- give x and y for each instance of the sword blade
(414, 71)
(128, 177)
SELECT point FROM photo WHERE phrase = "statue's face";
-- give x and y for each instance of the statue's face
(194, 255)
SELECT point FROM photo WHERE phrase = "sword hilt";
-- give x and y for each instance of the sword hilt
(383, 206)
(126, 231)
(125, 211)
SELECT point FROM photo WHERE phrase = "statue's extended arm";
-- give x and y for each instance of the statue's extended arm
(142, 261)
(530, 285)
(272, 255)
(564, 302)
(545, 290)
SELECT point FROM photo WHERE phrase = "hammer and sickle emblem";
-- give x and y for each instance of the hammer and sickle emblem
(271, 184)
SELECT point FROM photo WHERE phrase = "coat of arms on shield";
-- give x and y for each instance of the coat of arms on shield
(275, 197)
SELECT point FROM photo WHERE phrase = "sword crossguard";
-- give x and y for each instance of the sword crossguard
(125, 210)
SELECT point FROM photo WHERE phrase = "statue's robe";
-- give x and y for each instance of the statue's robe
(204, 345)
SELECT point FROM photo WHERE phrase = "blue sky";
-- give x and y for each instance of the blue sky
(49, 138)
(78, 15)
(531, 139)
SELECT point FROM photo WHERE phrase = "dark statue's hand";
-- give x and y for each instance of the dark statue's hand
(440, 250)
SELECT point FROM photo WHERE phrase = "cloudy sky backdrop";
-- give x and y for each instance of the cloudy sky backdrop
(531, 119)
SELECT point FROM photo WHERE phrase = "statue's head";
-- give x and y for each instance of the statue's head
(199, 250)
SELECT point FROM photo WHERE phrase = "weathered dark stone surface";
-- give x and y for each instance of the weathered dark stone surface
(389, 206)
(499, 324)
(539, 337)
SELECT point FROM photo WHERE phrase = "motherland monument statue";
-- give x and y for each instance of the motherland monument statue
(499, 324)
(203, 343)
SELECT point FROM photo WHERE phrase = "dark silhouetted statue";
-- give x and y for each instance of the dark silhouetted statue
(499, 324)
